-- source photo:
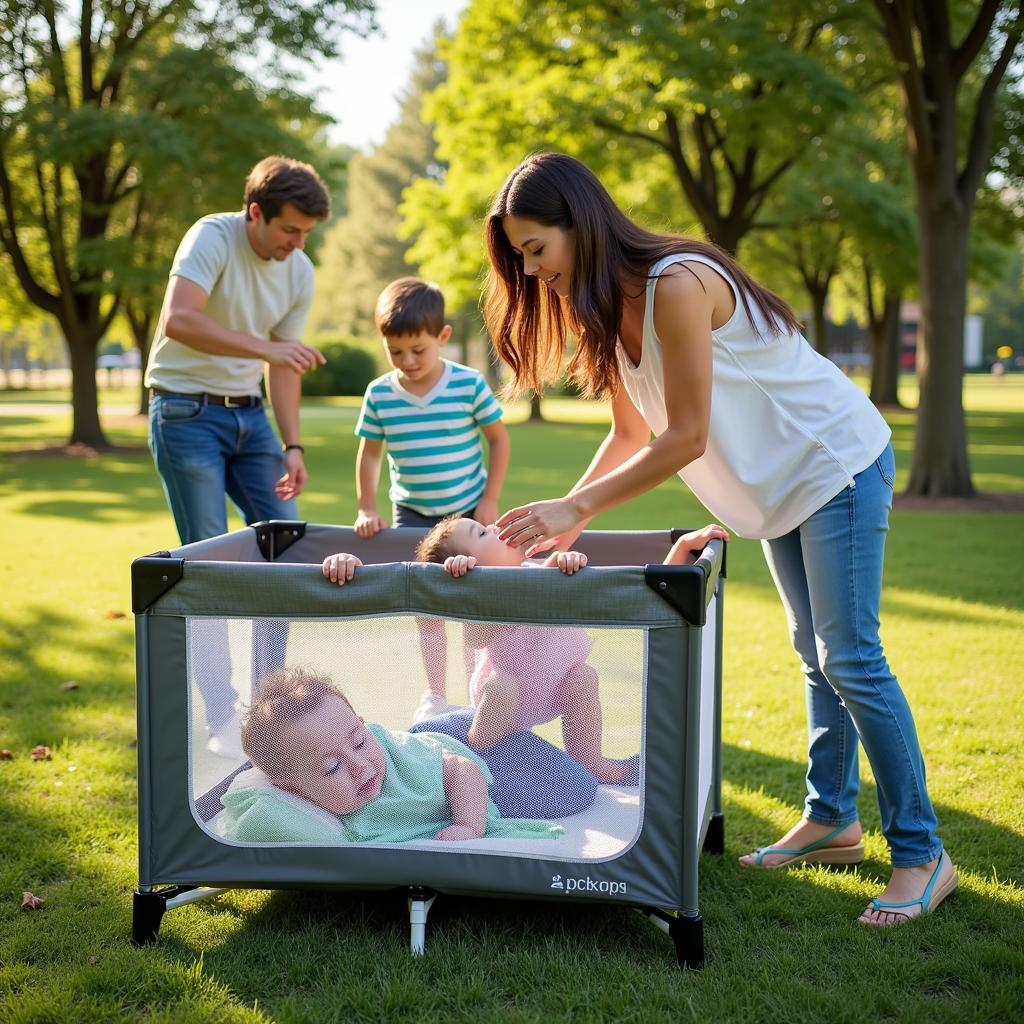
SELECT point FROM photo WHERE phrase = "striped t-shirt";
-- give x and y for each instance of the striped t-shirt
(435, 455)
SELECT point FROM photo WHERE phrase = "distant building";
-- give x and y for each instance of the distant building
(848, 344)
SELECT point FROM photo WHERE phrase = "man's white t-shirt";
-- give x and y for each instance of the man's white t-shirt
(246, 293)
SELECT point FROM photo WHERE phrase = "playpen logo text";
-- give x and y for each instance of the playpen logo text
(587, 885)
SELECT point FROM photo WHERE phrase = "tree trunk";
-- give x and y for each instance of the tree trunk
(536, 416)
(884, 336)
(940, 466)
(819, 296)
(8, 359)
(85, 417)
(142, 332)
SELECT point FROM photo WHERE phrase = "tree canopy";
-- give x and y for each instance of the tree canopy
(101, 110)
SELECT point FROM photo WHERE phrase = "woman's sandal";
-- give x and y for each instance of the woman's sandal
(932, 896)
(812, 853)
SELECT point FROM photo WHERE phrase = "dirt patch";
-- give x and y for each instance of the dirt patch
(989, 502)
(76, 451)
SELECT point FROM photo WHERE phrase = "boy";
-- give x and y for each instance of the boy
(430, 413)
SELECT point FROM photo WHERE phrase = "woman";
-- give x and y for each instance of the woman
(769, 435)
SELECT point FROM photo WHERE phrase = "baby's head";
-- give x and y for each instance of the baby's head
(457, 535)
(304, 735)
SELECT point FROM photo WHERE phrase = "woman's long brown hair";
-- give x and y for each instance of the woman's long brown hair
(528, 323)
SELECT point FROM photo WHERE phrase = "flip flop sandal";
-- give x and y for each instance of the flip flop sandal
(932, 896)
(812, 853)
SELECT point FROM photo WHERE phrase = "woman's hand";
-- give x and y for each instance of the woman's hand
(541, 525)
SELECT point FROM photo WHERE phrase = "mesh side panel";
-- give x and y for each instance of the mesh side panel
(533, 704)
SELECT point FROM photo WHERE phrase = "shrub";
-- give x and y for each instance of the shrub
(349, 368)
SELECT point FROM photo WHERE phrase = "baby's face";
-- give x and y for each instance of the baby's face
(468, 537)
(341, 763)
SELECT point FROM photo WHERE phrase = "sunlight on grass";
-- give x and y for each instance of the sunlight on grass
(952, 621)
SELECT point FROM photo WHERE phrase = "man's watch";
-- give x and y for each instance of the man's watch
(294, 448)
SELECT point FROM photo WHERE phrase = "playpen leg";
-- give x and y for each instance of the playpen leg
(686, 932)
(147, 913)
(420, 901)
(149, 907)
(714, 839)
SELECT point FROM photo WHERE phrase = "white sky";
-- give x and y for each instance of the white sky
(361, 89)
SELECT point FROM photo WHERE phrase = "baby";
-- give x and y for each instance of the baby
(304, 735)
(527, 675)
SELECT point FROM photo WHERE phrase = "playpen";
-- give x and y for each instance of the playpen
(211, 617)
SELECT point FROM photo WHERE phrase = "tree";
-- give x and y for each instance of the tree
(222, 125)
(1002, 305)
(81, 136)
(950, 90)
(364, 249)
(686, 109)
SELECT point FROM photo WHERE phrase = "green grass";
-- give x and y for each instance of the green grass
(781, 946)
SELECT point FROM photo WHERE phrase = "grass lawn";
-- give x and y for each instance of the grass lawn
(782, 946)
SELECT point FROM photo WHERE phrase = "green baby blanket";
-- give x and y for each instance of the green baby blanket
(411, 806)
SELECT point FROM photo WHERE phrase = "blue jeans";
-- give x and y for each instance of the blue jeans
(828, 572)
(203, 452)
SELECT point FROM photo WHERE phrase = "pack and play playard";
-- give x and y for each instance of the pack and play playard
(212, 618)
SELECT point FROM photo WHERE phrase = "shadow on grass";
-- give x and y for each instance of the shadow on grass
(36, 709)
(109, 487)
(790, 914)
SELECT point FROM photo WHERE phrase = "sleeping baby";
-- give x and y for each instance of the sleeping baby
(382, 786)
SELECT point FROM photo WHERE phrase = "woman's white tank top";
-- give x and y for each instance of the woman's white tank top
(788, 430)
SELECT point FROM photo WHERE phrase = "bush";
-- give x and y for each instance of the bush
(349, 368)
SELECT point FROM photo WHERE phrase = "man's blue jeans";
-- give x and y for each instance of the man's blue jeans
(202, 453)
(829, 574)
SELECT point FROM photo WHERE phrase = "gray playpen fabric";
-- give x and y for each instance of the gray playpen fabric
(677, 680)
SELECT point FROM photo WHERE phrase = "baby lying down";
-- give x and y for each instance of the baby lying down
(381, 786)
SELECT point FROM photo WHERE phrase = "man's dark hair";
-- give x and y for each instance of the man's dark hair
(277, 180)
(408, 306)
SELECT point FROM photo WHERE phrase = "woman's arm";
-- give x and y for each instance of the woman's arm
(684, 311)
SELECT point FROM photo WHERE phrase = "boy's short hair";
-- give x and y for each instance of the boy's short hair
(277, 180)
(437, 545)
(282, 697)
(408, 306)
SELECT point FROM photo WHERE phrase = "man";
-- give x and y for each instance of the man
(239, 294)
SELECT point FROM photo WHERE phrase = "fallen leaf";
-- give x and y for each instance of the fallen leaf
(69, 685)
(41, 753)
(6, 755)
(111, 614)
(31, 902)
(94, 959)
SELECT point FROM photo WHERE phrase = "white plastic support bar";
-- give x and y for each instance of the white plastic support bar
(656, 919)
(192, 896)
(418, 910)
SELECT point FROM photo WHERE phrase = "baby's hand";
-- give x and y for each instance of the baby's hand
(340, 568)
(459, 565)
(570, 561)
(455, 832)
